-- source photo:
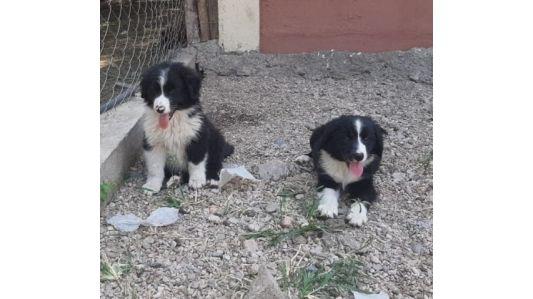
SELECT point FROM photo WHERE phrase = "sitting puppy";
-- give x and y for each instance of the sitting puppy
(175, 127)
(346, 152)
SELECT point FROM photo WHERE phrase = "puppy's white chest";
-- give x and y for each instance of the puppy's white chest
(337, 170)
(181, 131)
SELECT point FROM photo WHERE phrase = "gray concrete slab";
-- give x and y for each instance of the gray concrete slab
(120, 139)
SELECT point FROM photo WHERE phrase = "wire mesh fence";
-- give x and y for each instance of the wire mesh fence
(135, 34)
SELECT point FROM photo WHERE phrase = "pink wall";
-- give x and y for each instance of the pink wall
(293, 26)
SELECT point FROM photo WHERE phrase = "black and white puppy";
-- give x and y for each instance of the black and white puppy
(346, 152)
(177, 131)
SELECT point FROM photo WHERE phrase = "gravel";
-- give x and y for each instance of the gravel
(266, 105)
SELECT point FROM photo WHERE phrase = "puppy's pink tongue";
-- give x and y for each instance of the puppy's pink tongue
(356, 168)
(163, 120)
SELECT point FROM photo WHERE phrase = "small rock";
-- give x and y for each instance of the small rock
(300, 240)
(351, 243)
(230, 221)
(245, 71)
(203, 284)
(417, 248)
(271, 207)
(303, 159)
(358, 295)
(273, 170)
(264, 286)
(286, 222)
(415, 77)
(299, 196)
(335, 222)
(217, 253)
(214, 219)
(397, 177)
(374, 259)
(253, 227)
(250, 213)
(250, 245)
(185, 209)
(303, 222)
(300, 71)
(280, 143)
(147, 242)
(312, 268)
(213, 209)
(173, 180)
(316, 250)
(194, 285)
(254, 268)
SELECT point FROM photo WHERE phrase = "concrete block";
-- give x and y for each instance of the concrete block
(120, 139)
(238, 25)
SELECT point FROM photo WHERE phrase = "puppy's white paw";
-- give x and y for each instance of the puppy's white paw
(329, 202)
(152, 186)
(328, 209)
(357, 215)
(197, 182)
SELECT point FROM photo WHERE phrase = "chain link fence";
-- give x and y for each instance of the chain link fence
(133, 36)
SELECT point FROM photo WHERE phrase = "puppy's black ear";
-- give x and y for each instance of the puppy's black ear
(316, 136)
(193, 81)
(379, 131)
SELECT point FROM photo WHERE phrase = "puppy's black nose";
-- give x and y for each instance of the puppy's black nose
(358, 156)
(160, 109)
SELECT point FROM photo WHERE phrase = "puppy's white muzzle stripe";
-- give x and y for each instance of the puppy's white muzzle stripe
(162, 102)
(361, 147)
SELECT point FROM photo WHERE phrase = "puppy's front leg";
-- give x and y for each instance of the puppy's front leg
(357, 214)
(328, 204)
(197, 157)
(197, 174)
(364, 193)
(154, 158)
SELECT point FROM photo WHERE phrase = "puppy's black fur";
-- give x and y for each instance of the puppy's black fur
(339, 138)
(181, 86)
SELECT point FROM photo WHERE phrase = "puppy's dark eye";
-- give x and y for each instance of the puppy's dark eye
(364, 136)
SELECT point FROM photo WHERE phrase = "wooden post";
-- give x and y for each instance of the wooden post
(191, 21)
(212, 11)
(204, 20)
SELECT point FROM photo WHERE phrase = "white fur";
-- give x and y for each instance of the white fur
(338, 170)
(197, 174)
(155, 165)
(174, 139)
(357, 215)
(361, 147)
(172, 142)
(329, 202)
(162, 100)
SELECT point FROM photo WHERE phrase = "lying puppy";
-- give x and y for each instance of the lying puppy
(175, 127)
(346, 152)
